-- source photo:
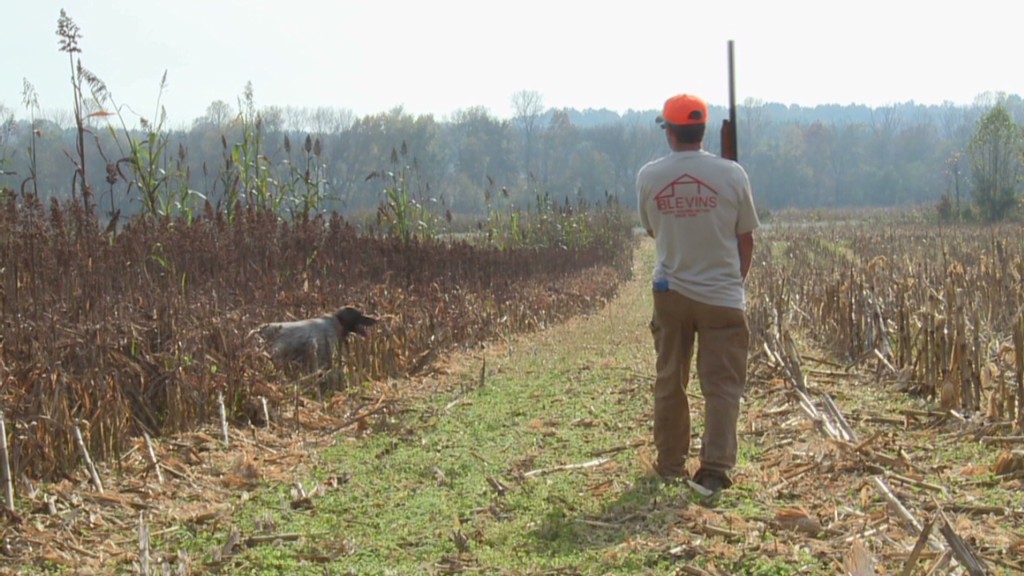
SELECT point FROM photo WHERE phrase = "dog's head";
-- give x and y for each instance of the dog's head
(353, 320)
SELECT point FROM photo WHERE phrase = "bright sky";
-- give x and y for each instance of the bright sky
(439, 56)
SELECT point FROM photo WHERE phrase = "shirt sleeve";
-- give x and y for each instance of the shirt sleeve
(746, 220)
(641, 208)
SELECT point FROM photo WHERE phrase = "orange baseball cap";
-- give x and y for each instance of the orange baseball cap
(683, 109)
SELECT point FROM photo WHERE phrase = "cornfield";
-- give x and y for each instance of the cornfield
(112, 333)
(937, 310)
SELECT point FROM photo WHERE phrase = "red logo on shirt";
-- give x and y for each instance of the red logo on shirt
(686, 196)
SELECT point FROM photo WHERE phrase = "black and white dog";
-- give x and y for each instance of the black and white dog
(309, 344)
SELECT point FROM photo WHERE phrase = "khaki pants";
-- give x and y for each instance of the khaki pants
(721, 367)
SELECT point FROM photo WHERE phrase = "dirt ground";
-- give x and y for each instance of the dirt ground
(843, 468)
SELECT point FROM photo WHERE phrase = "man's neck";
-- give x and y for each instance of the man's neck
(679, 147)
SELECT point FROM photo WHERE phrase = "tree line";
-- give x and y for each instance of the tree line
(900, 155)
(302, 161)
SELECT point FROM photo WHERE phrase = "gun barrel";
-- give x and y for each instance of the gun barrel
(730, 148)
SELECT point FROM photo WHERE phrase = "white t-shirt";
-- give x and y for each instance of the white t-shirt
(696, 204)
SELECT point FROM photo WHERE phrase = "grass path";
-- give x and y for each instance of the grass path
(544, 469)
(458, 482)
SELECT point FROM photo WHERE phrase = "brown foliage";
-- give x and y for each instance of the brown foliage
(139, 330)
(938, 309)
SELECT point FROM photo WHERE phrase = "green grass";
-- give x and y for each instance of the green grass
(438, 474)
(445, 488)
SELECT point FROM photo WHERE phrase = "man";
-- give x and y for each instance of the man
(699, 209)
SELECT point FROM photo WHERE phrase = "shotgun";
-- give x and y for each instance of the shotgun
(729, 148)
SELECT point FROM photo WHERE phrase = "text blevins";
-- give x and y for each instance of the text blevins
(679, 203)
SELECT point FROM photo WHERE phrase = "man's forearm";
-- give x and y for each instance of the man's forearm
(746, 248)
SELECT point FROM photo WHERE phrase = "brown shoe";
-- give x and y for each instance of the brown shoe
(670, 476)
(712, 480)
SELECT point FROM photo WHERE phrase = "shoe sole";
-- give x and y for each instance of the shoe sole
(705, 497)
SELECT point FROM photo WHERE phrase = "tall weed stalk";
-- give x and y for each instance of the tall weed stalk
(70, 34)
(249, 159)
(305, 185)
(30, 99)
(163, 186)
(401, 213)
